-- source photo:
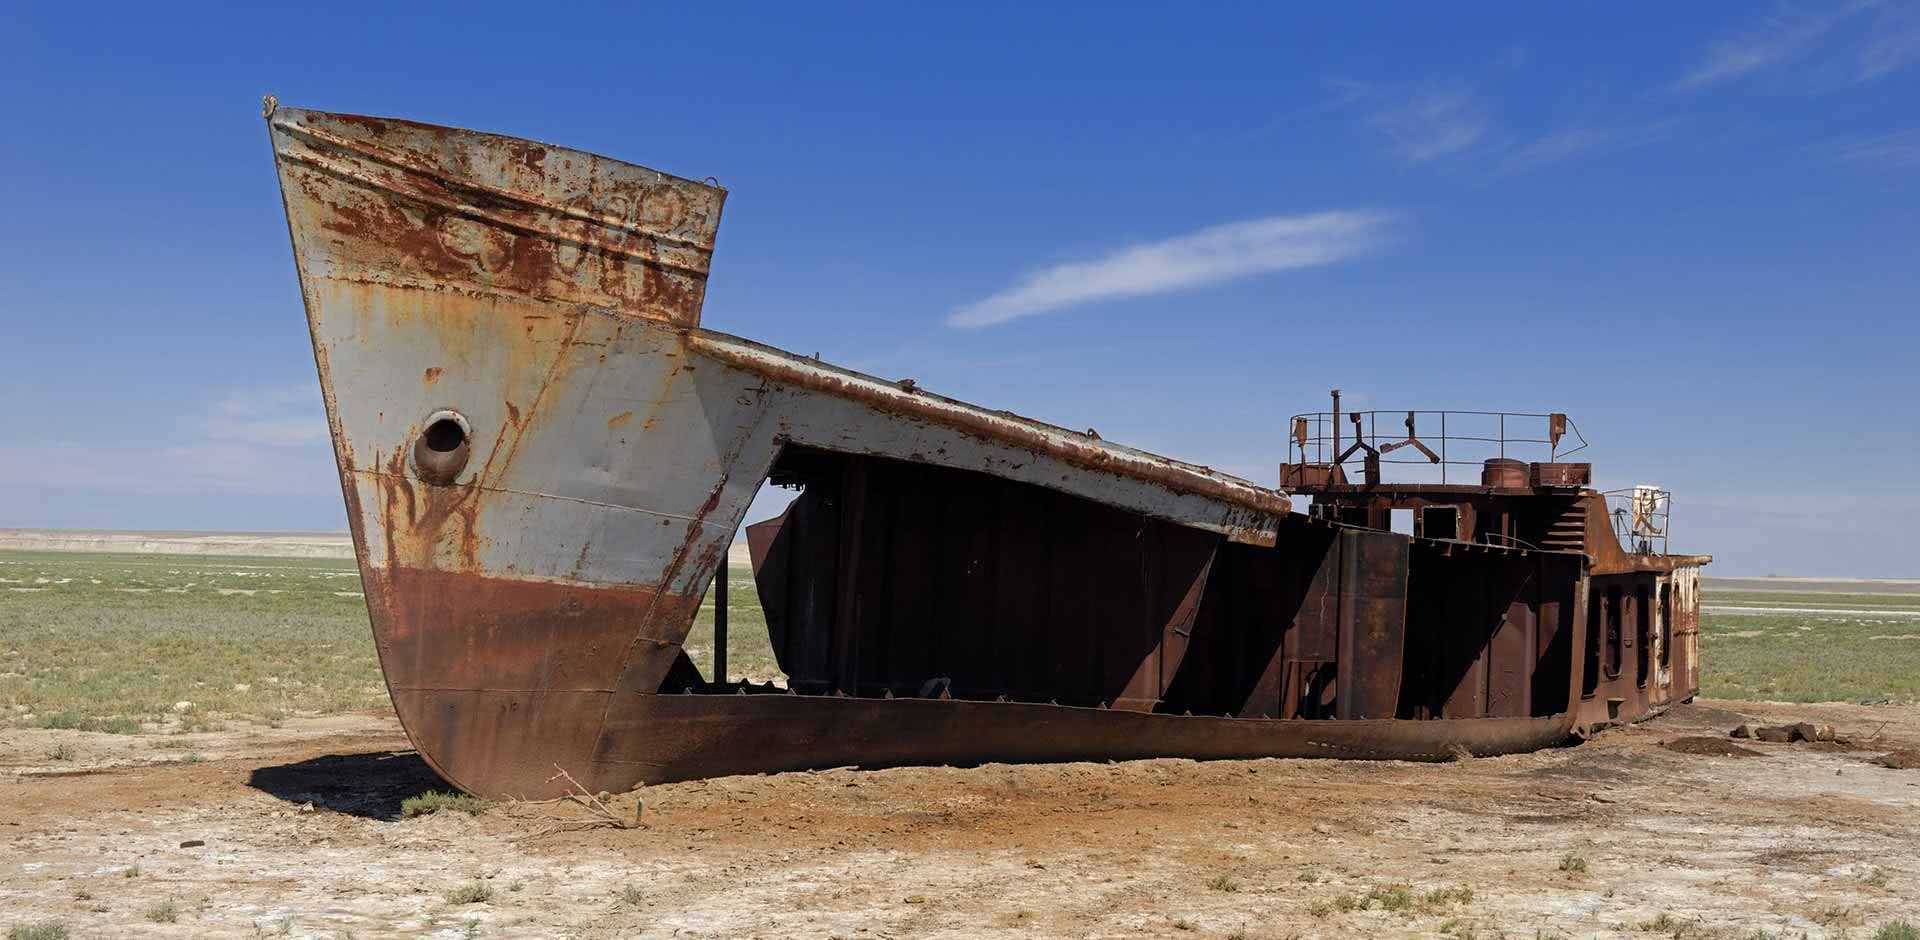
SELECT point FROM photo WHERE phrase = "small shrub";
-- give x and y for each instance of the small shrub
(1223, 883)
(1573, 864)
(1392, 898)
(133, 872)
(1876, 878)
(1898, 930)
(631, 895)
(165, 912)
(1443, 897)
(1678, 929)
(473, 892)
(64, 721)
(48, 930)
(433, 801)
(1181, 924)
(60, 752)
(121, 725)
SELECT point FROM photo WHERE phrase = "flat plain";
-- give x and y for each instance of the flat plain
(103, 641)
(201, 746)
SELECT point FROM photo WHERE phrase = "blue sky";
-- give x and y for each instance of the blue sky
(1692, 227)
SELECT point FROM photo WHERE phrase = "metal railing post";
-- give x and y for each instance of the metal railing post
(720, 623)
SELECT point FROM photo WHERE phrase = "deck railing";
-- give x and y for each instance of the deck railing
(1456, 443)
(1640, 518)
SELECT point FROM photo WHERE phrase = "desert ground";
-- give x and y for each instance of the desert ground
(200, 747)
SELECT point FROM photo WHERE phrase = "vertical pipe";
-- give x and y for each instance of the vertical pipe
(720, 624)
(1335, 457)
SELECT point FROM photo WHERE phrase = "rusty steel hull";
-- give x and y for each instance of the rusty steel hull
(544, 459)
(681, 737)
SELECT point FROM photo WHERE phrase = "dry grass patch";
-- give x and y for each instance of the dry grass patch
(1223, 882)
(434, 801)
(48, 930)
(473, 892)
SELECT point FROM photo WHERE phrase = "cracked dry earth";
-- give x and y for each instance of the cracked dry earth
(1674, 841)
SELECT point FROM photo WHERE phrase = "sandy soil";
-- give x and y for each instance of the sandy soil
(252, 544)
(1813, 585)
(295, 831)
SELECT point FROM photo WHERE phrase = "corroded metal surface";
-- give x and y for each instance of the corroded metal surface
(544, 458)
(689, 736)
(547, 299)
(1639, 637)
(415, 205)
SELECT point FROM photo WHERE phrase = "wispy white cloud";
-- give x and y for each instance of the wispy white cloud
(1423, 120)
(1559, 145)
(1899, 149)
(1208, 256)
(1435, 117)
(1893, 43)
(281, 416)
(1783, 37)
(1845, 43)
(256, 442)
(1581, 140)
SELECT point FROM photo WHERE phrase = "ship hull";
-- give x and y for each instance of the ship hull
(544, 459)
(680, 737)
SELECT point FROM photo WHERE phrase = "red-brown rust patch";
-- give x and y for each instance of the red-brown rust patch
(497, 679)
(428, 516)
(530, 155)
(504, 744)
(380, 228)
(618, 420)
(376, 126)
(457, 209)
(432, 374)
(530, 265)
(461, 630)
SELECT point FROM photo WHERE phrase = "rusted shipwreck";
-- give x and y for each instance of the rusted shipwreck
(545, 458)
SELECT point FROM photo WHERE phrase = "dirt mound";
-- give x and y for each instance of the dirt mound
(1709, 747)
(1906, 758)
